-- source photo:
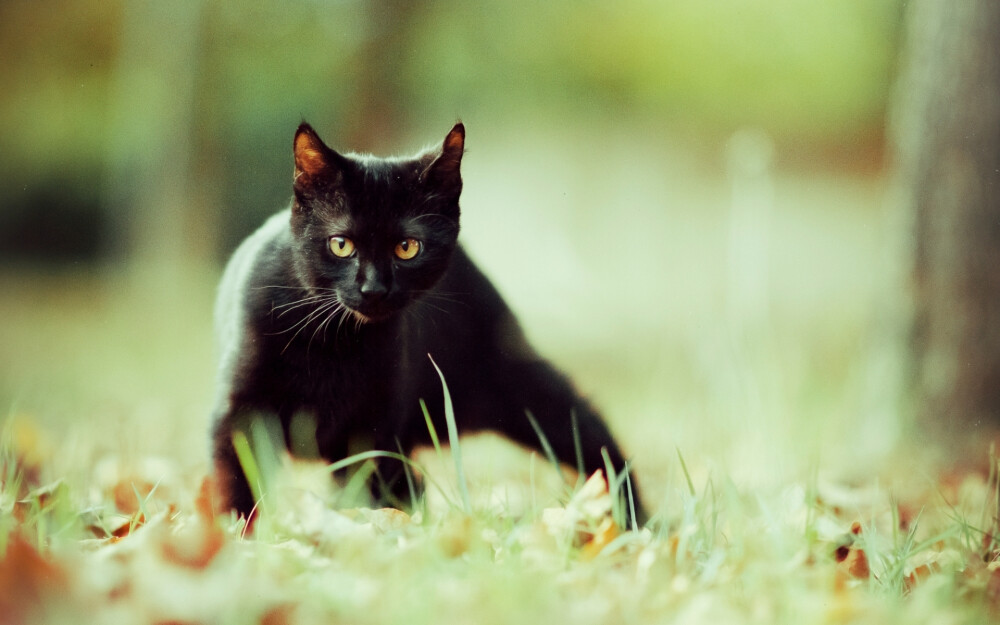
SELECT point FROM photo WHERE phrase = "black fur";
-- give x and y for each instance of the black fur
(346, 340)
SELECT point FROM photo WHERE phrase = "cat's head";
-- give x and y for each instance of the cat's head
(377, 231)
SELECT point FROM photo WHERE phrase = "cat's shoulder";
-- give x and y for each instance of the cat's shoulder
(262, 246)
(259, 258)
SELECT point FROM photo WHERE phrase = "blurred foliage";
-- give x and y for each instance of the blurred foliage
(607, 197)
(109, 107)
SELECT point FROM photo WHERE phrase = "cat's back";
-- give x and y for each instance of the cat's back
(254, 262)
(465, 315)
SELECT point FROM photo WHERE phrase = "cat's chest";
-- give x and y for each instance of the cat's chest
(352, 376)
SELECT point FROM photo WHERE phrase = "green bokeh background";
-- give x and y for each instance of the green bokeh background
(686, 202)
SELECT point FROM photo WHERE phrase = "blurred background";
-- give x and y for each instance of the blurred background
(689, 204)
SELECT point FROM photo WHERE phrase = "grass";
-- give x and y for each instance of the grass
(716, 553)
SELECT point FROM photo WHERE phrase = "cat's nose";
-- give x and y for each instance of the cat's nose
(373, 291)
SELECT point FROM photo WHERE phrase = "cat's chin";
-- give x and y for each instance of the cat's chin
(370, 316)
(361, 318)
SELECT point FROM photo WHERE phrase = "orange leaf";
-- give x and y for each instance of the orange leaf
(278, 615)
(603, 535)
(194, 546)
(124, 493)
(135, 522)
(26, 580)
(858, 564)
(204, 504)
(852, 565)
(919, 574)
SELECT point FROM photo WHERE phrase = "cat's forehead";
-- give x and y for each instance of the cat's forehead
(376, 194)
(381, 166)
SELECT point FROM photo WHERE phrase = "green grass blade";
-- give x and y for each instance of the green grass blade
(350, 495)
(614, 489)
(456, 449)
(546, 446)
(577, 448)
(408, 473)
(687, 476)
(631, 497)
(250, 469)
(378, 453)
(430, 428)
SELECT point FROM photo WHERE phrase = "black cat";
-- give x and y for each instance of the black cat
(332, 307)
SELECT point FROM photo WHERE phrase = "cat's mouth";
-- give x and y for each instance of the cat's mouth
(370, 314)
(360, 317)
(370, 310)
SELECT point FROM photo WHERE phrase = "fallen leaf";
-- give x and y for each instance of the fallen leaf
(278, 615)
(455, 535)
(918, 575)
(204, 503)
(133, 523)
(992, 592)
(386, 520)
(194, 545)
(129, 493)
(604, 534)
(27, 580)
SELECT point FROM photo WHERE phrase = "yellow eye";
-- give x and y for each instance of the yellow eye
(341, 247)
(407, 249)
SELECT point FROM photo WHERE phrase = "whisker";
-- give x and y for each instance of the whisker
(295, 288)
(435, 307)
(297, 301)
(321, 304)
(445, 296)
(323, 324)
(344, 313)
(312, 316)
(316, 299)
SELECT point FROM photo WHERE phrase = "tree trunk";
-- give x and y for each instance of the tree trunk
(378, 108)
(947, 134)
(149, 182)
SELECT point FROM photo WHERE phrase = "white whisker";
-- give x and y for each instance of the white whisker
(312, 316)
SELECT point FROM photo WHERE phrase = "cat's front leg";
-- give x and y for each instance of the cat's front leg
(230, 481)
(394, 481)
(572, 428)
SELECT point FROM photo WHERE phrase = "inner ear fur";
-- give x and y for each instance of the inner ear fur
(445, 170)
(312, 157)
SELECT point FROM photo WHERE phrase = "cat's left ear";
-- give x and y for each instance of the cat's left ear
(445, 172)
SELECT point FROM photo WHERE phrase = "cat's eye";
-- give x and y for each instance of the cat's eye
(407, 249)
(342, 247)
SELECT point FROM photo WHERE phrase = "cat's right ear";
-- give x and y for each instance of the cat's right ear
(316, 165)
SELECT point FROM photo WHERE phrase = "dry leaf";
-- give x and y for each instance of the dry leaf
(134, 522)
(919, 574)
(386, 520)
(26, 580)
(853, 566)
(455, 535)
(125, 492)
(586, 519)
(604, 534)
(205, 503)
(592, 501)
(194, 546)
(992, 592)
(857, 564)
(31, 449)
(278, 615)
